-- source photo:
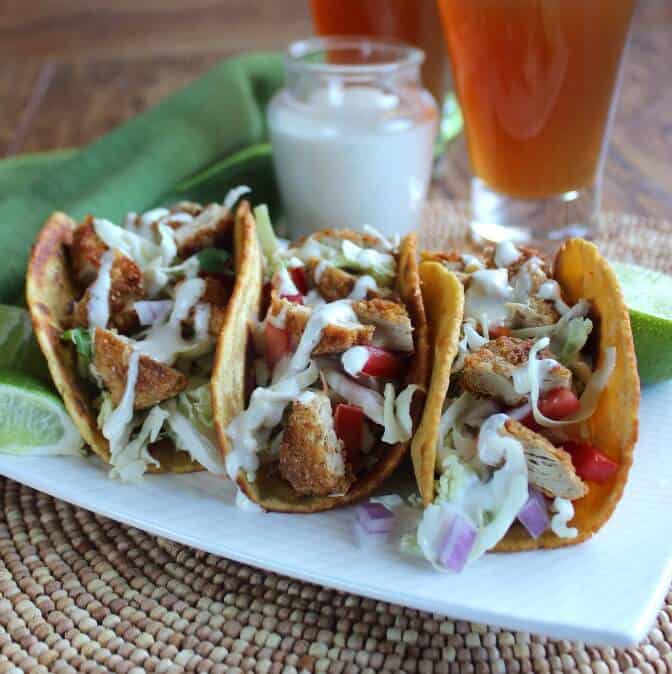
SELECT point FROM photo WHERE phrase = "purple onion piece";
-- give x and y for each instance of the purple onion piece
(455, 543)
(375, 518)
(534, 514)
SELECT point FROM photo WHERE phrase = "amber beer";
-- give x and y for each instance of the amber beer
(415, 22)
(535, 80)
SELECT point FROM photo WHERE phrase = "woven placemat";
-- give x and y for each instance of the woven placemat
(82, 593)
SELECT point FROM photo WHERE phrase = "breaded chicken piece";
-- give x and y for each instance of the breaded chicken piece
(489, 370)
(156, 381)
(334, 339)
(85, 252)
(312, 458)
(550, 468)
(126, 287)
(393, 328)
(461, 263)
(211, 227)
(535, 313)
(331, 282)
(217, 293)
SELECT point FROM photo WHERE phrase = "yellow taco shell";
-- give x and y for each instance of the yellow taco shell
(582, 273)
(272, 492)
(49, 292)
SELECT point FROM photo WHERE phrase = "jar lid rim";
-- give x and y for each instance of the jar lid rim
(400, 55)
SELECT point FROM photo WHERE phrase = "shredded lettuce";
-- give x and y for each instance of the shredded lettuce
(568, 341)
(381, 266)
(82, 339)
(267, 238)
(196, 405)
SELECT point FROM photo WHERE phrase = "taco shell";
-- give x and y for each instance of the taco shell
(49, 292)
(582, 273)
(269, 490)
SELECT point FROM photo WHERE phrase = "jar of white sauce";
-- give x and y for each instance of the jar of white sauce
(353, 135)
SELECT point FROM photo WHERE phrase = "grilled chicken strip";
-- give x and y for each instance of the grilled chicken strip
(331, 282)
(489, 370)
(312, 458)
(550, 468)
(211, 227)
(85, 252)
(393, 328)
(156, 381)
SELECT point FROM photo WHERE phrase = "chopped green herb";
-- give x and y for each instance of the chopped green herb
(213, 260)
(81, 338)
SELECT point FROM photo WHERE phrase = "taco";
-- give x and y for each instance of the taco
(339, 361)
(530, 421)
(128, 319)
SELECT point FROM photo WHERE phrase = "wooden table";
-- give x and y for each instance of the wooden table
(73, 70)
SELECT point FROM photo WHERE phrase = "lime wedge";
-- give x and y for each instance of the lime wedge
(648, 294)
(33, 420)
(18, 347)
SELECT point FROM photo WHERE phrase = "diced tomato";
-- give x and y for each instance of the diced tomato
(276, 343)
(297, 299)
(382, 363)
(499, 331)
(558, 403)
(590, 462)
(300, 279)
(349, 424)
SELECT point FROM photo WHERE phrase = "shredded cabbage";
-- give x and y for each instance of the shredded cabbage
(381, 266)
(590, 397)
(267, 239)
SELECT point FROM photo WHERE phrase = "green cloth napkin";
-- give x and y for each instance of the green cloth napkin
(196, 144)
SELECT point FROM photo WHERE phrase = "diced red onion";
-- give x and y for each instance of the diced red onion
(457, 540)
(366, 540)
(152, 311)
(375, 518)
(534, 514)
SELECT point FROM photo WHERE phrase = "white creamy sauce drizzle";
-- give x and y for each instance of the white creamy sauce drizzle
(563, 512)
(506, 254)
(320, 268)
(152, 216)
(486, 297)
(362, 286)
(492, 505)
(354, 360)
(251, 427)
(233, 195)
(366, 258)
(550, 290)
(98, 307)
(117, 427)
(164, 341)
(284, 284)
(334, 313)
(139, 249)
(246, 504)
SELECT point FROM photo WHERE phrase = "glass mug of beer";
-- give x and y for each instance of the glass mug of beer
(536, 81)
(415, 22)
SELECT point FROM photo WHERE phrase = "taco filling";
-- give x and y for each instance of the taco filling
(149, 302)
(513, 443)
(331, 357)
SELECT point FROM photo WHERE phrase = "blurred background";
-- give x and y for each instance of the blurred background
(73, 69)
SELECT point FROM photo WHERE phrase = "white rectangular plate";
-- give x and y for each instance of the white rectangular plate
(605, 591)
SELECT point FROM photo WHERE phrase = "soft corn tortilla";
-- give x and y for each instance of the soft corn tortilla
(582, 274)
(269, 489)
(50, 290)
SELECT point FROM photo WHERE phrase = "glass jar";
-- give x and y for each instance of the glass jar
(352, 134)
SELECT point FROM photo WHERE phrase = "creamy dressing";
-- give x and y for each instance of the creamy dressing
(117, 427)
(164, 341)
(550, 290)
(563, 510)
(366, 258)
(333, 313)
(486, 297)
(284, 284)
(354, 360)
(362, 286)
(248, 430)
(328, 151)
(152, 216)
(246, 504)
(320, 268)
(471, 263)
(98, 307)
(233, 195)
(506, 254)
(139, 249)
